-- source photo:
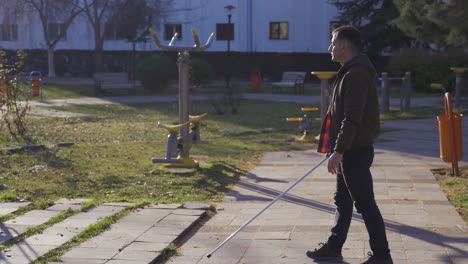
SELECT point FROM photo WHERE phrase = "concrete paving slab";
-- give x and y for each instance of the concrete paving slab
(90, 253)
(9, 231)
(119, 261)
(64, 207)
(147, 246)
(37, 245)
(138, 237)
(8, 208)
(196, 206)
(164, 206)
(72, 201)
(34, 218)
(79, 261)
(137, 255)
(17, 226)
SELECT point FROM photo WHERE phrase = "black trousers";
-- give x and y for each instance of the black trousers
(354, 184)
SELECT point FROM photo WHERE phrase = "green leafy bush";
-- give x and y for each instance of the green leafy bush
(427, 67)
(201, 71)
(156, 71)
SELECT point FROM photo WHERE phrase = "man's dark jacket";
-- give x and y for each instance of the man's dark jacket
(354, 107)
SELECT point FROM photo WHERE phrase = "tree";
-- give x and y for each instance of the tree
(441, 22)
(55, 17)
(107, 12)
(132, 18)
(373, 18)
(96, 12)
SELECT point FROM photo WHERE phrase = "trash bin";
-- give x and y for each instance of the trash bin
(450, 136)
(35, 78)
(449, 139)
(256, 79)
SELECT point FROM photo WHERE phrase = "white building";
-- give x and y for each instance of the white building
(260, 26)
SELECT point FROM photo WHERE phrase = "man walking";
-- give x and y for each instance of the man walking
(353, 124)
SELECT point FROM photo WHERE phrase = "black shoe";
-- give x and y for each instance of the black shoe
(378, 260)
(325, 253)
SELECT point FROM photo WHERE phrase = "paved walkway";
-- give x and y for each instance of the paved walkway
(422, 225)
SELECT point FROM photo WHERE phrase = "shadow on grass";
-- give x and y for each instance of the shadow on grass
(52, 159)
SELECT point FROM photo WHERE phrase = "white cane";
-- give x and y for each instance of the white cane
(266, 207)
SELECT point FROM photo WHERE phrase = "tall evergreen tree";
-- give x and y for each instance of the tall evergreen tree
(373, 18)
(440, 22)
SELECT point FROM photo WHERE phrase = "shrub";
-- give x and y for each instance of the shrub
(155, 72)
(201, 71)
(14, 97)
(427, 67)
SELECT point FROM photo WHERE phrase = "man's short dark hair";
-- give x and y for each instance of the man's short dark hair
(349, 33)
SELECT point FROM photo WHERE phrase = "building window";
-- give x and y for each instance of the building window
(8, 32)
(171, 29)
(57, 29)
(112, 32)
(279, 30)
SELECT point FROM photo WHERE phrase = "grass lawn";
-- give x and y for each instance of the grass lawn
(111, 156)
(62, 91)
(456, 189)
(285, 90)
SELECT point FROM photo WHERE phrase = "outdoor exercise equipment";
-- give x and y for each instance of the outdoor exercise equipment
(458, 77)
(195, 127)
(324, 94)
(450, 133)
(266, 207)
(179, 138)
(405, 93)
(304, 124)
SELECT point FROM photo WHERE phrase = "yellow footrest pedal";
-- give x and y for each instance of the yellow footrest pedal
(197, 118)
(172, 128)
(295, 119)
(309, 109)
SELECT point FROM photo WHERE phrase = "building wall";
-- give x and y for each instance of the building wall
(309, 27)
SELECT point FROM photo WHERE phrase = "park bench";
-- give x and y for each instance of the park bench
(108, 81)
(290, 80)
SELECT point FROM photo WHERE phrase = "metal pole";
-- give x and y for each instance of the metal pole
(229, 37)
(265, 208)
(385, 104)
(458, 89)
(183, 62)
(407, 92)
(402, 95)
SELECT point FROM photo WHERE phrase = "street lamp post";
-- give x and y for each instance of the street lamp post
(229, 9)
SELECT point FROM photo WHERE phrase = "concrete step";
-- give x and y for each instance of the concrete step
(17, 226)
(33, 247)
(139, 237)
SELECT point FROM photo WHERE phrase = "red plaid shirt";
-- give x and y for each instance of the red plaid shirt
(324, 145)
